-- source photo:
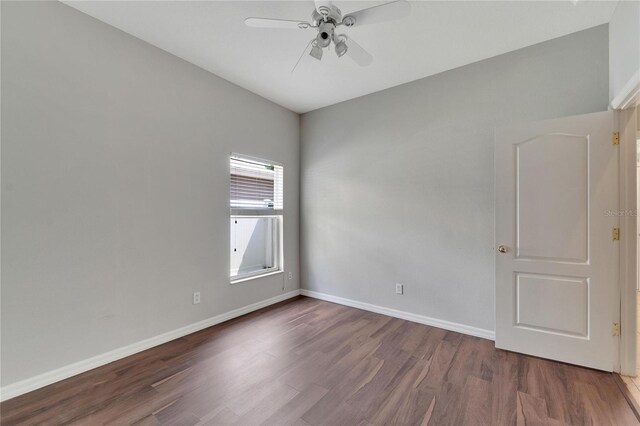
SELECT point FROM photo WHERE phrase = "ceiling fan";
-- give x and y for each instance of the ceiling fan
(326, 18)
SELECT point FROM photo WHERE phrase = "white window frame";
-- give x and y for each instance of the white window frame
(277, 232)
(276, 243)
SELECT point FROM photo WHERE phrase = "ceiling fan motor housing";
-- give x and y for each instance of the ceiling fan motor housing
(325, 34)
(326, 13)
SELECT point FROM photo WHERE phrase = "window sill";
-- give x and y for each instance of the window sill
(253, 277)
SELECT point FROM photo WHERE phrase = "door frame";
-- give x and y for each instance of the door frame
(628, 126)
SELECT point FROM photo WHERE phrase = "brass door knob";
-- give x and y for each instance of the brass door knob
(503, 249)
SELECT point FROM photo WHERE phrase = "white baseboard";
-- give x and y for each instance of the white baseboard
(434, 322)
(41, 380)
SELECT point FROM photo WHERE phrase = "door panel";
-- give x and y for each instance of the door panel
(541, 301)
(545, 219)
(557, 281)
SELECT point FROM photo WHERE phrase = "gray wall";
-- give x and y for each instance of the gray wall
(397, 186)
(115, 188)
(624, 45)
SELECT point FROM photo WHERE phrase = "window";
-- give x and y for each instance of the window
(256, 204)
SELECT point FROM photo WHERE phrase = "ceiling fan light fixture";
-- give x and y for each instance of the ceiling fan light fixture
(349, 21)
(316, 51)
(341, 48)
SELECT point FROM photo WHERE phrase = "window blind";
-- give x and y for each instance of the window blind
(255, 185)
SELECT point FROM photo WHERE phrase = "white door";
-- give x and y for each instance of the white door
(557, 292)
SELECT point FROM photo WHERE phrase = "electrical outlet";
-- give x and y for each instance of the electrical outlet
(399, 288)
(290, 275)
(196, 297)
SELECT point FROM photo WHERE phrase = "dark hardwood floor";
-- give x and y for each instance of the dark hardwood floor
(308, 362)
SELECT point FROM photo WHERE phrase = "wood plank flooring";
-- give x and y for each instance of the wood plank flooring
(309, 362)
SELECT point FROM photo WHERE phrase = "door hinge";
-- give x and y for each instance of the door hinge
(616, 138)
(616, 234)
(615, 330)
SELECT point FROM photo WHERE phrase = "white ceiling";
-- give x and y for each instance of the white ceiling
(437, 36)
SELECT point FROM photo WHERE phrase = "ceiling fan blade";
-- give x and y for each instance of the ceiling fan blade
(381, 13)
(276, 23)
(303, 54)
(357, 53)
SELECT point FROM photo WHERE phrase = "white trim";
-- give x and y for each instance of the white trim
(235, 212)
(629, 95)
(421, 319)
(627, 121)
(258, 160)
(247, 277)
(41, 380)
